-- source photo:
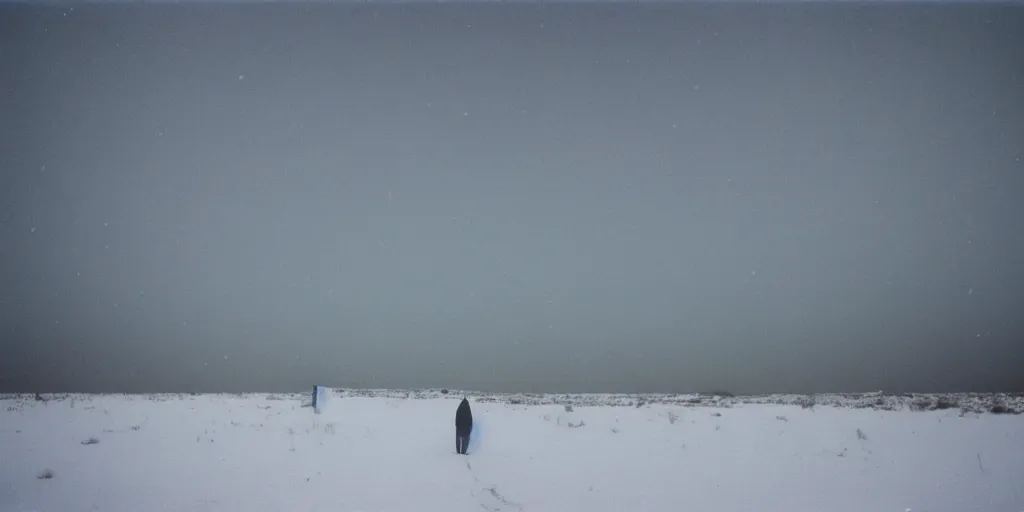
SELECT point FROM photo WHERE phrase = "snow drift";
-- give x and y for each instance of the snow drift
(385, 450)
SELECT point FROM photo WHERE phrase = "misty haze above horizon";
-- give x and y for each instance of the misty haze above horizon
(564, 198)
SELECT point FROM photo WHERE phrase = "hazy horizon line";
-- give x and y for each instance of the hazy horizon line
(723, 392)
(497, 2)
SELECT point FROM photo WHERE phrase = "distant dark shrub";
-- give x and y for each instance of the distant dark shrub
(999, 409)
(91, 440)
(921, 404)
(861, 435)
(568, 408)
(45, 474)
(944, 403)
(806, 402)
(444, 391)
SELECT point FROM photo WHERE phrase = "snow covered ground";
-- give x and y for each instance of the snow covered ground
(394, 451)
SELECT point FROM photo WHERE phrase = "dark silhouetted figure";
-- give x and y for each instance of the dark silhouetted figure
(463, 427)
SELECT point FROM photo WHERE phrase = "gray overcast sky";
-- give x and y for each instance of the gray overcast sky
(618, 197)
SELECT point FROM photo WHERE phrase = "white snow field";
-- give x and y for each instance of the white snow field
(395, 451)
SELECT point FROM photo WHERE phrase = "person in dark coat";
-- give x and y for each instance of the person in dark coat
(463, 427)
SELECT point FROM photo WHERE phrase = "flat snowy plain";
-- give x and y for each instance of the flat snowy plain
(392, 451)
